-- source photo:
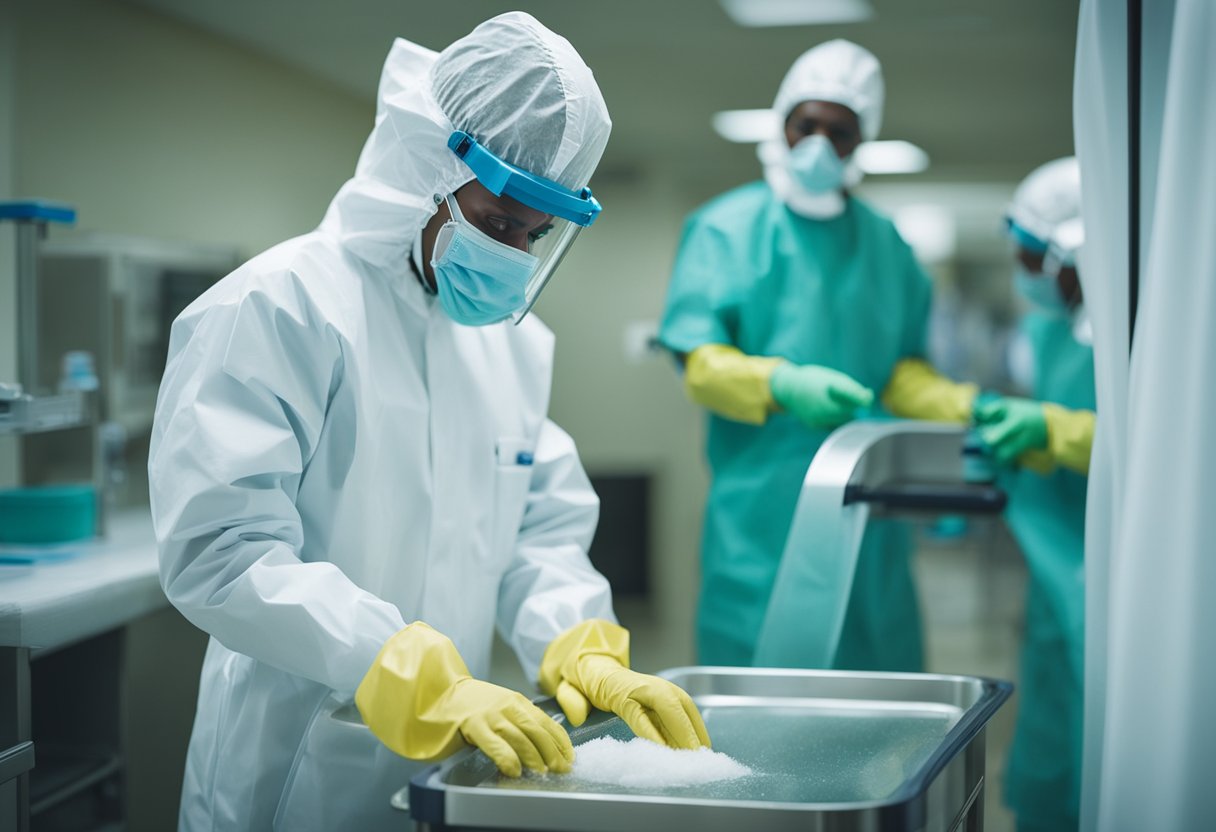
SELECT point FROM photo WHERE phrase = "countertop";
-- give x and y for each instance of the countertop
(106, 584)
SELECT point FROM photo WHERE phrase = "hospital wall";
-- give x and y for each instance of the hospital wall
(151, 128)
(624, 406)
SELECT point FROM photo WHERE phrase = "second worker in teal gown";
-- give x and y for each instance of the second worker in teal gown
(843, 292)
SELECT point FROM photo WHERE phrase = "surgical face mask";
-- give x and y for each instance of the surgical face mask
(814, 165)
(480, 281)
(1042, 291)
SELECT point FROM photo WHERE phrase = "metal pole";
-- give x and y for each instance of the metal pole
(15, 732)
(29, 233)
(1133, 166)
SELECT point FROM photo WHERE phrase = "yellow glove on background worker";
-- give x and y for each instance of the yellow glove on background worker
(588, 665)
(917, 391)
(746, 388)
(741, 387)
(419, 699)
(731, 384)
(1057, 436)
(1070, 436)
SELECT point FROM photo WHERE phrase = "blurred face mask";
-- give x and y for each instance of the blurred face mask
(1042, 291)
(814, 165)
(479, 280)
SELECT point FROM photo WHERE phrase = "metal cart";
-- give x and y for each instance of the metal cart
(867, 468)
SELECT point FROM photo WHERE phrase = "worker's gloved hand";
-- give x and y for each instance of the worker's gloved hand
(419, 699)
(819, 396)
(588, 665)
(1011, 426)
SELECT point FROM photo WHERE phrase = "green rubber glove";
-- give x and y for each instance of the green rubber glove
(820, 397)
(1010, 427)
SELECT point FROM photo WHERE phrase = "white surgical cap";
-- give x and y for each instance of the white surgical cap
(841, 72)
(1047, 204)
(511, 83)
(526, 95)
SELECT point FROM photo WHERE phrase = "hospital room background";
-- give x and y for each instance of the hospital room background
(225, 127)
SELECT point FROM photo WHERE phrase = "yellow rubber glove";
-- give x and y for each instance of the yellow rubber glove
(1070, 441)
(589, 665)
(419, 699)
(721, 378)
(917, 391)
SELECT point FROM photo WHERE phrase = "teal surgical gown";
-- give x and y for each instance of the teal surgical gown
(845, 293)
(1046, 514)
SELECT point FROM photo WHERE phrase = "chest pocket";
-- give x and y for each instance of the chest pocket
(512, 481)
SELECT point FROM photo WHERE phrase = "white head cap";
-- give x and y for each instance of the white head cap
(841, 72)
(524, 94)
(515, 86)
(1047, 205)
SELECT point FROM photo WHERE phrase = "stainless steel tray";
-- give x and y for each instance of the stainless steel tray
(829, 750)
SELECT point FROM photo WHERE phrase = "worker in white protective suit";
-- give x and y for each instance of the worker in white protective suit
(353, 477)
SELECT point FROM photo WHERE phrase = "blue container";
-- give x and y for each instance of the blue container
(47, 514)
(978, 464)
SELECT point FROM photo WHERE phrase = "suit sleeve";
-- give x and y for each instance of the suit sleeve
(240, 411)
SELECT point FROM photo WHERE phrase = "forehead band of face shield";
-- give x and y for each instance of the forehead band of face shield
(504, 179)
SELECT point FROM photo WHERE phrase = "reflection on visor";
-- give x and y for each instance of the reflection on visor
(549, 261)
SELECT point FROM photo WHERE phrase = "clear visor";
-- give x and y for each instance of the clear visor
(538, 263)
(549, 252)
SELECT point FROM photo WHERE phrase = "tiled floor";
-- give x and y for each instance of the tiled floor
(971, 592)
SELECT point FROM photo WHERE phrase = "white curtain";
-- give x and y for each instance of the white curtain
(1151, 562)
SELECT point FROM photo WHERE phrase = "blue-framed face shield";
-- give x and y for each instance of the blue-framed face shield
(1023, 238)
(1056, 254)
(571, 211)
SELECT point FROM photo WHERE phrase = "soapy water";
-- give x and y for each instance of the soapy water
(787, 755)
(641, 763)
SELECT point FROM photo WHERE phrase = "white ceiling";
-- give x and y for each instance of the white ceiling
(984, 86)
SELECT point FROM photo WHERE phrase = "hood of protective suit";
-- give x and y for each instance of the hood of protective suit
(519, 89)
(1047, 204)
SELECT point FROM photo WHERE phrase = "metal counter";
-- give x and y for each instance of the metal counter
(829, 750)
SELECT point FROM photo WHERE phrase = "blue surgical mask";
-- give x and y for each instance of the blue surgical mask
(480, 281)
(1042, 291)
(815, 166)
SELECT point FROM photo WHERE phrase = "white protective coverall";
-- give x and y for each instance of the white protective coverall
(333, 457)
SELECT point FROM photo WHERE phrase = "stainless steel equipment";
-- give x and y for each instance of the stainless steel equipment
(864, 468)
(829, 750)
(22, 413)
(114, 297)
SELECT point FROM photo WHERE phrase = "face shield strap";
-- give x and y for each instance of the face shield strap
(503, 178)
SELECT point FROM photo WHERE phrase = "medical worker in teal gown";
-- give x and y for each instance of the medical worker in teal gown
(791, 302)
(1047, 442)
